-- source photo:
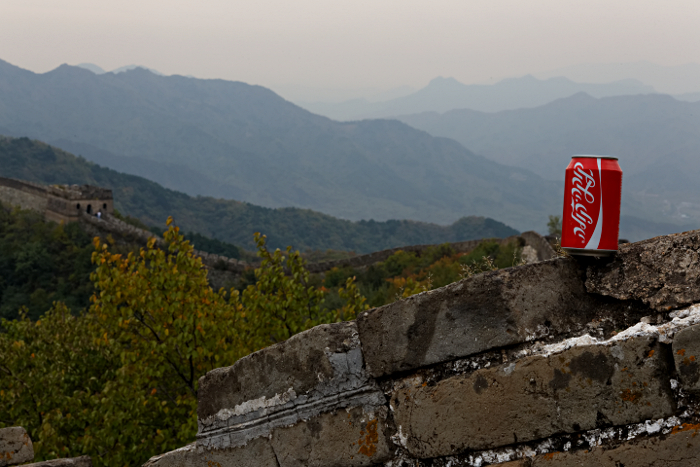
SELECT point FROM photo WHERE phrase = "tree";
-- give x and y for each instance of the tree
(120, 381)
(554, 225)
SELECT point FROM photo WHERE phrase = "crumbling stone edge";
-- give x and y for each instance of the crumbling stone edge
(576, 358)
(16, 448)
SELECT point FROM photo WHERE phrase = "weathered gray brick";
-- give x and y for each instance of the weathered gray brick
(15, 446)
(681, 448)
(256, 453)
(686, 354)
(352, 437)
(663, 272)
(314, 383)
(301, 364)
(579, 389)
(501, 308)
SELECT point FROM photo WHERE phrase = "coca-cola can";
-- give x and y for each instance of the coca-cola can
(592, 195)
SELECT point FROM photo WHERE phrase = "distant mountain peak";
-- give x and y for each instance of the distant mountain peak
(442, 82)
(7, 66)
(92, 67)
(70, 70)
(100, 71)
(135, 67)
(527, 77)
(579, 96)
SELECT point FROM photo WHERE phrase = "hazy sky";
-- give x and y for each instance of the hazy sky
(343, 43)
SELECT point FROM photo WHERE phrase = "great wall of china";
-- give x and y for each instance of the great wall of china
(559, 363)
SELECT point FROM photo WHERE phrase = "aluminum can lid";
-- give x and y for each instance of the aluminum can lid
(588, 156)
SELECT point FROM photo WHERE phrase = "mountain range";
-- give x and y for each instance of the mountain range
(656, 137)
(99, 70)
(676, 79)
(443, 94)
(233, 140)
(227, 220)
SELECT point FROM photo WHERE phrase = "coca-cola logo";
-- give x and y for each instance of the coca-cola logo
(581, 196)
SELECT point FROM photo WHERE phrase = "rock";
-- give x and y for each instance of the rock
(500, 308)
(529, 255)
(348, 438)
(542, 248)
(15, 446)
(317, 371)
(82, 461)
(681, 448)
(582, 388)
(686, 354)
(256, 453)
(343, 438)
(663, 272)
(298, 363)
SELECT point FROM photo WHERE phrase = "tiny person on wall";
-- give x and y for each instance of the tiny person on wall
(99, 214)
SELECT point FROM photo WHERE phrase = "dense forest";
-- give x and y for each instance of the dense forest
(42, 262)
(232, 221)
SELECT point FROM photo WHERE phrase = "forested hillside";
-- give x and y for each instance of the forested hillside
(236, 141)
(231, 221)
(42, 262)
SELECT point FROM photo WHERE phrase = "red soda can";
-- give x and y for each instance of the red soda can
(592, 195)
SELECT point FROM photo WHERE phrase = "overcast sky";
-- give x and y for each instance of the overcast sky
(347, 43)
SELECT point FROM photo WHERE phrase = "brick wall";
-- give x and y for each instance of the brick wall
(563, 362)
(24, 199)
(58, 203)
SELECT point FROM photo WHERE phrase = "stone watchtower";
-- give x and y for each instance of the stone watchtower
(59, 203)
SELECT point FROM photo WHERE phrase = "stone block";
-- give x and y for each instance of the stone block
(297, 364)
(663, 272)
(540, 244)
(582, 388)
(256, 453)
(680, 448)
(15, 446)
(314, 372)
(352, 437)
(686, 354)
(487, 311)
(82, 461)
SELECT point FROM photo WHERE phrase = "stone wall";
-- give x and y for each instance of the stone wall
(563, 362)
(16, 448)
(26, 199)
(58, 203)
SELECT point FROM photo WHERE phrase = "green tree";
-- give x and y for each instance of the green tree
(119, 382)
(554, 225)
(42, 262)
(52, 379)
